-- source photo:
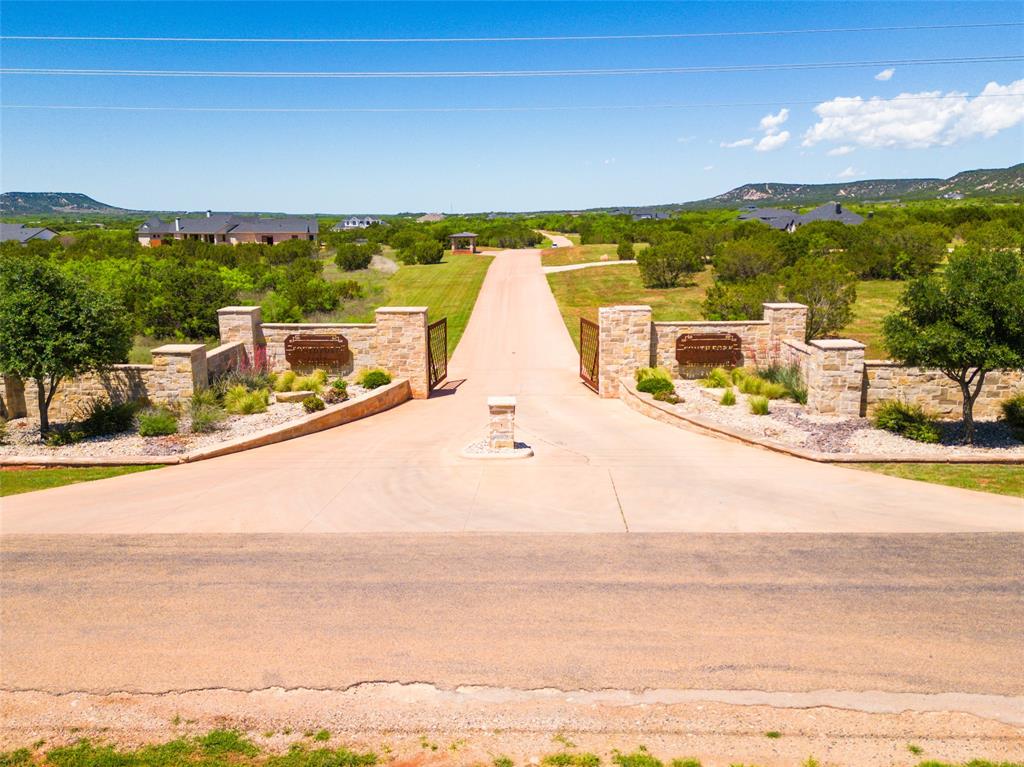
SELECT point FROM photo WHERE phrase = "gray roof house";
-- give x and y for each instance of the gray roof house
(228, 228)
(21, 233)
(789, 221)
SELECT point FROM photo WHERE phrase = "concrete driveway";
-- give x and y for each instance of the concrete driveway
(599, 467)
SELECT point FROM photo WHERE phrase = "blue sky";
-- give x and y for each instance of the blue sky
(473, 161)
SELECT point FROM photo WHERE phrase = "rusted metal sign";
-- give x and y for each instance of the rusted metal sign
(318, 349)
(717, 349)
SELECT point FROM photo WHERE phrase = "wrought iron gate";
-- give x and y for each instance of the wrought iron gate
(437, 351)
(589, 348)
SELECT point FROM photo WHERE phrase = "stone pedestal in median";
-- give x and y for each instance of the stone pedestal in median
(501, 433)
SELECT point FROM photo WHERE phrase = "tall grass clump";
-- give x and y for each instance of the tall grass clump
(313, 382)
(1013, 411)
(284, 381)
(759, 405)
(728, 398)
(907, 420)
(789, 377)
(241, 401)
(718, 378)
(205, 411)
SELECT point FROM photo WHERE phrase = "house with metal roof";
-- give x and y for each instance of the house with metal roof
(228, 229)
(21, 233)
(790, 221)
(831, 211)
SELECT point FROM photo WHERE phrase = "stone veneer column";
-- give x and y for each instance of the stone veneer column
(784, 321)
(178, 371)
(501, 434)
(835, 376)
(241, 323)
(402, 345)
(625, 344)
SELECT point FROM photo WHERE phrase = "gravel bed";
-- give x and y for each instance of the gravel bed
(23, 435)
(788, 423)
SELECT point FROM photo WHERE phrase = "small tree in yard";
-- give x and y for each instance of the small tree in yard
(53, 327)
(966, 321)
(827, 288)
(624, 250)
(664, 264)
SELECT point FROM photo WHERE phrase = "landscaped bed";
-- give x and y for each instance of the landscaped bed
(788, 422)
(239, 406)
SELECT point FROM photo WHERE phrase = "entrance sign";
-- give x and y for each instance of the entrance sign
(309, 349)
(717, 349)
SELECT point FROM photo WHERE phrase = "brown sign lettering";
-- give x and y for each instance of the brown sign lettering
(309, 349)
(717, 349)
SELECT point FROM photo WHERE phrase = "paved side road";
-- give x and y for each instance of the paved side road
(787, 612)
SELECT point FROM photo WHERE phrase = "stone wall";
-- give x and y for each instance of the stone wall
(932, 390)
(120, 383)
(755, 341)
(624, 344)
(361, 339)
(224, 358)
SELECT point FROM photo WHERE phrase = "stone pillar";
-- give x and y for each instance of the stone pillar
(835, 376)
(178, 370)
(14, 396)
(624, 335)
(784, 321)
(402, 345)
(242, 323)
(501, 433)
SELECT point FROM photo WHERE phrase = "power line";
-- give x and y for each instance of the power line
(545, 38)
(524, 108)
(501, 73)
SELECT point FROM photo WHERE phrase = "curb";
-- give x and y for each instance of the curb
(664, 413)
(383, 398)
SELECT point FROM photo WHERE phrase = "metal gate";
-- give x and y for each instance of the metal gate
(589, 348)
(437, 351)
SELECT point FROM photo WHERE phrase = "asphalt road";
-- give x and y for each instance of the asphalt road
(782, 612)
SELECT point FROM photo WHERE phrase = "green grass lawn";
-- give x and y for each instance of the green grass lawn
(579, 293)
(582, 254)
(875, 299)
(989, 478)
(449, 289)
(14, 481)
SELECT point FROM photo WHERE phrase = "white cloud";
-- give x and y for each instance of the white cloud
(770, 123)
(885, 74)
(709, 167)
(839, 151)
(848, 172)
(685, 139)
(735, 144)
(772, 141)
(918, 120)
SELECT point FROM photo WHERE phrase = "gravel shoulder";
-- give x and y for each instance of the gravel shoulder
(788, 423)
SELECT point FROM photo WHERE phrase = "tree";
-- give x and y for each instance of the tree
(664, 265)
(966, 321)
(742, 260)
(920, 248)
(53, 327)
(624, 250)
(351, 257)
(741, 300)
(422, 251)
(828, 289)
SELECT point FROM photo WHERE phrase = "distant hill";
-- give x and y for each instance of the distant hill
(53, 204)
(969, 183)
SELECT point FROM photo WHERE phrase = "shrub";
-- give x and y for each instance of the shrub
(728, 398)
(1013, 411)
(351, 257)
(655, 384)
(284, 381)
(102, 417)
(371, 379)
(759, 405)
(312, 404)
(3, 431)
(664, 265)
(907, 420)
(639, 758)
(718, 378)
(624, 251)
(338, 391)
(754, 384)
(241, 401)
(65, 434)
(790, 377)
(659, 372)
(157, 422)
(251, 378)
(307, 383)
(205, 411)
(340, 384)
(668, 396)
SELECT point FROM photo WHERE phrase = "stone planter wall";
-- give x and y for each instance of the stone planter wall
(932, 390)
